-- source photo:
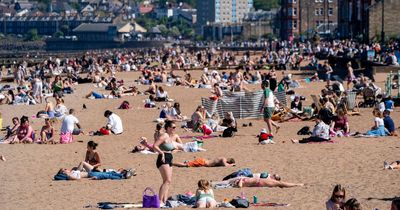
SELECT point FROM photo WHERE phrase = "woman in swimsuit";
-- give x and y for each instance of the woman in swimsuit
(47, 132)
(49, 109)
(205, 195)
(92, 157)
(270, 181)
(164, 146)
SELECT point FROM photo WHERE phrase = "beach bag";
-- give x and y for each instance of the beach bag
(228, 132)
(206, 130)
(60, 177)
(150, 201)
(240, 203)
(304, 131)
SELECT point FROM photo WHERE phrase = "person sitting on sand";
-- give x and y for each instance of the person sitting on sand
(114, 123)
(205, 195)
(336, 202)
(47, 132)
(352, 204)
(161, 94)
(340, 124)
(394, 165)
(202, 162)
(92, 157)
(152, 89)
(24, 133)
(198, 118)
(389, 123)
(270, 181)
(13, 130)
(60, 110)
(379, 126)
(320, 133)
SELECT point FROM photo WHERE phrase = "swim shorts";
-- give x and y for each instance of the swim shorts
(168, 160)
(199, 162)
(268, 112)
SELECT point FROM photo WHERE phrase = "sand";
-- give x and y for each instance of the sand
(26, 176)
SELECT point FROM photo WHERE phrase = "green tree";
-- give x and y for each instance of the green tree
(64, 29)
(58, 34)
(32, 35)
(174, 31)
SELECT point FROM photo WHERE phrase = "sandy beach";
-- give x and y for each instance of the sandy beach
(356, 163)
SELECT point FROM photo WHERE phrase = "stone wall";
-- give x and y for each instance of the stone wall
(391, 19)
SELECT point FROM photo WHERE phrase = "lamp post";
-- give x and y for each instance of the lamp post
(383, 23)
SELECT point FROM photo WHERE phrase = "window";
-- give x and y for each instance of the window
(295, 24)
(330, 11)
(290, 24)
(318, 23)
(294, 11)
(316, 12)
(321, 11)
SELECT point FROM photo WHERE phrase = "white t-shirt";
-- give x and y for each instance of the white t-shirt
(116, 124)
(379, 121)
(68, 123)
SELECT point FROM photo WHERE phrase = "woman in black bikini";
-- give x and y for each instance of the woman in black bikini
(92, 157)
(47, 132)
(164, 146)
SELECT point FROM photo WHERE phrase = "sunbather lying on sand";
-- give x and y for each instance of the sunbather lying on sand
(394, 165)
(270, 181)
(202, 162)
(76, 174)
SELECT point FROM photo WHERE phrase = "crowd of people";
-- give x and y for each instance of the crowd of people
(158, 67)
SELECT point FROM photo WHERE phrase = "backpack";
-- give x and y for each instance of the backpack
(246, 172)
(60, 177)
(240, 203)
(304, 131)
(229, 132)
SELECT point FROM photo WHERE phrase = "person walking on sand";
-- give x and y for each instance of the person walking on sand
(269, 107)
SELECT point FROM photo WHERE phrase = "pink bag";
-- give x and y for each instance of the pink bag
(66, 138)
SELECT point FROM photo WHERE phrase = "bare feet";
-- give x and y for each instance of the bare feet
(294, 141)
(2, 158)
(277, 129)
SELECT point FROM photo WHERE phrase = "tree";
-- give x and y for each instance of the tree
(58, 34)
(64, 29)
(174, 31)
(32, 35)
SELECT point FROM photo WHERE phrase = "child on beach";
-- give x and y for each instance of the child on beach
(47, 132)
(205, 195)
(379, 127)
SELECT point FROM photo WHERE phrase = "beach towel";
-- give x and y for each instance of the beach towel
(270, 204)
(66, 138)
(325, 142)
(199, 137)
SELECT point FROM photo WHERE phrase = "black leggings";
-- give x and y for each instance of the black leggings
(312, 139)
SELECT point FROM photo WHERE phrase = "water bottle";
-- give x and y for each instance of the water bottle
(242, 195)
(255, 199)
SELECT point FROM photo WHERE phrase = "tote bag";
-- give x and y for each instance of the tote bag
(150, 201)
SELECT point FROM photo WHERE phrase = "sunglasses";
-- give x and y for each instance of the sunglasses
(339, 196)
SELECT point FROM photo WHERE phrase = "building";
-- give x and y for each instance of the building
(353, 18)
(391, 23)
(45, 25)
(102, 31)
(362, 19)
(303, 18)
(221, 12)
(261, 24)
